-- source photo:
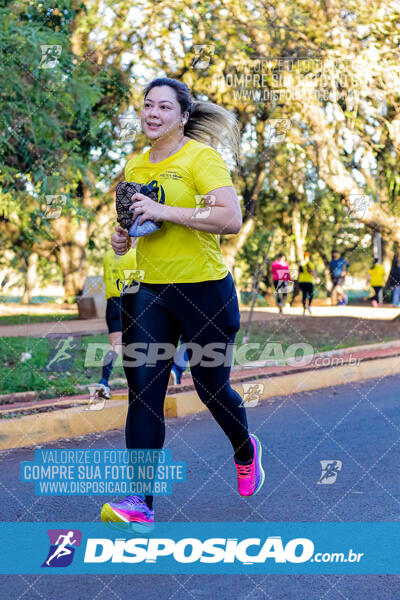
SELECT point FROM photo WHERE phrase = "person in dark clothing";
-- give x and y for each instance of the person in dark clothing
(306, 282)
(337, 269)
(376, 279)
(394, 280)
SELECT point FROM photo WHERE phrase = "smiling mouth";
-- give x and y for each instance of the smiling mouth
(153, 125)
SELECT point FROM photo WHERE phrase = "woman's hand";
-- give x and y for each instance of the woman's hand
(120, 241)
(147, 208)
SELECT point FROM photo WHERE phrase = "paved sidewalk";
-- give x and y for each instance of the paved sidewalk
(360, 312)
(91, 326)
(55, 328)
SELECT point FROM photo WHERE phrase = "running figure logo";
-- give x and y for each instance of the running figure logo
(329, 471)
(96, 402)
(252, 393)
(62, 547)
(50, 55)
(62, 353)
(357, 206)
(276, 130)
(202, 55)
(203, 206)
(286, 279)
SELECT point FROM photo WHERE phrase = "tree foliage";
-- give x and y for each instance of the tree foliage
(314, 85)
(58, 121)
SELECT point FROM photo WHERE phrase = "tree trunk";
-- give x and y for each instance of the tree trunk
(72, 236)
(231, 248)
(31, 277)
(299, 231)
(72, 260)
(328, 281)
(387, 255)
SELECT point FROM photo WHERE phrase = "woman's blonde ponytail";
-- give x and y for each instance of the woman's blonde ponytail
(214, 125)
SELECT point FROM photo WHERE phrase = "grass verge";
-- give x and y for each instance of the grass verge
(24, 319)
(320, 333)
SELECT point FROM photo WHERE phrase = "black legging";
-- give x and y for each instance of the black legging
(204, 313)
(307, 289)
(280, 291)
(378, 293)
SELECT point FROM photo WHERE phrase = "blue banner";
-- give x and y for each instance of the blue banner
(214, 548)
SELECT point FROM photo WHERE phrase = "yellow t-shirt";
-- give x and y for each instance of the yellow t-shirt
(305, 275)
(176, 253)
(378, 275)
(118, 268)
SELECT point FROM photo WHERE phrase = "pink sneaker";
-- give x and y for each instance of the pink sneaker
(251, 477)
(132, 512)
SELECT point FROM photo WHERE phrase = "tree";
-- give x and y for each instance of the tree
(319, 87)
(59, 117)
(318, 114)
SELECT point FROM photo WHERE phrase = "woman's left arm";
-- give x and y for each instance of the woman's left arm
(218, 213)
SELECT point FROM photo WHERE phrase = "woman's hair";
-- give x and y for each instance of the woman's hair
(208, 122)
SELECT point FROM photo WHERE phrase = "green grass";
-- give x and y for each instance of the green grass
(17, 376)
(34, 299)
(24, 319)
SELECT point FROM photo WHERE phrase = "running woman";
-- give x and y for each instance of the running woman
(113, 275)
(280, 276)
(186, 289)
(306, 282)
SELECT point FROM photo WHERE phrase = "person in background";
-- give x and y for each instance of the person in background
(113, 273)
(376, 279)
(394, 280)
(280, 276)
(337, 269)
(306, 282)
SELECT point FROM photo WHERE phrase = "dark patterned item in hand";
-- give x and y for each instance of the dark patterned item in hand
(125, 217)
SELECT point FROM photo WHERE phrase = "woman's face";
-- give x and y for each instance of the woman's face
(161, 115)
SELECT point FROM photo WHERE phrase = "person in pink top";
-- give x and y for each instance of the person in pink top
(280, 276)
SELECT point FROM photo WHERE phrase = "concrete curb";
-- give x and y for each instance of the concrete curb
(68, 423)
(288, 384)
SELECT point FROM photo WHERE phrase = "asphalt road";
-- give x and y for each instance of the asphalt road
(356, 424)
